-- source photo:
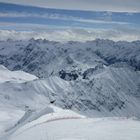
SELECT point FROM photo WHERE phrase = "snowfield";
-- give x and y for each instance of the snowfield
(82, 129)
(59, 124)
(9, 117)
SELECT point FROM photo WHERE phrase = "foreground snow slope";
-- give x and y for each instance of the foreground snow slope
(10, 113)
(24, 100)
(9, 117)
(82, 129)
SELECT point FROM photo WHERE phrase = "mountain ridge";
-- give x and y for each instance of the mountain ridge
(100, 76)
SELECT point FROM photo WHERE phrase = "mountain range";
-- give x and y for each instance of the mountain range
(99, 78)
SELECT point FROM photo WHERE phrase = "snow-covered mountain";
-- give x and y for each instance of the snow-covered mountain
(26, 113)
(23, 104)
(96, 78)
(99, 76)
(44, 58)
(108, 92)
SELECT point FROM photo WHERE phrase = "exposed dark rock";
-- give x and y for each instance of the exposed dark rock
(68, 75)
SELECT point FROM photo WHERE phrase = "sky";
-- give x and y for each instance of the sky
(64, 20)
(93, 5)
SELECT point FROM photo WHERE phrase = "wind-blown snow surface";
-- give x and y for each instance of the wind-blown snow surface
(82, 129)
(9, 115)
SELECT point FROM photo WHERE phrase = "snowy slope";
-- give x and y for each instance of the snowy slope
(9, 113)
(9, 117)
(20, 102)
(16, 76)
(106, 92)
(82, 129)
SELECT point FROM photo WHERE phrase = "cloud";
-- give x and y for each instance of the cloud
(105, 20)
(94, 5)
(60, 25)
(64, 35)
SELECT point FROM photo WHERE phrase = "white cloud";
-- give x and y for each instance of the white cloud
(105, 20)
(68, 34)
(94, 5)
